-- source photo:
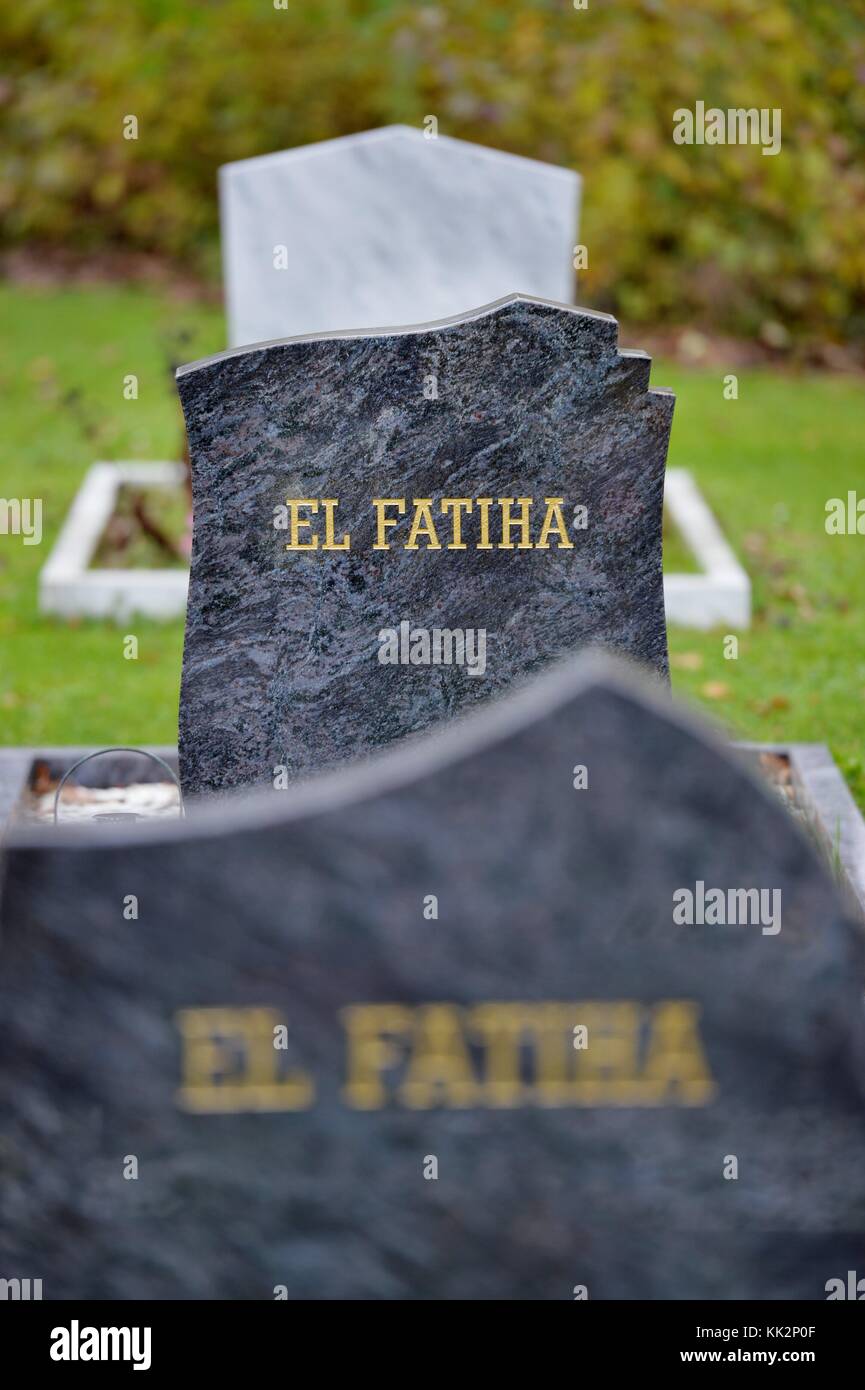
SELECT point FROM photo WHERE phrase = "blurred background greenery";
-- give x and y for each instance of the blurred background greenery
(769, 248)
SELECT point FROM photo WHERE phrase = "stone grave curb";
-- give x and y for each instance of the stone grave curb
(827, 801)
(721, 593)
(834, 814)
(68, 588)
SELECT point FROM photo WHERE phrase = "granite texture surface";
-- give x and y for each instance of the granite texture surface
(388, 227)
(281, 665)
(310, 902)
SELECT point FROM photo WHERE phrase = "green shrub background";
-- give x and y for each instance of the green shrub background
(723, 236)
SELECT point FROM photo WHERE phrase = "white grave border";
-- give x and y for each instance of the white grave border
(69, 589)
(719, 595)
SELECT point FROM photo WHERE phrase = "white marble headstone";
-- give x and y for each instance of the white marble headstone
(389, 227)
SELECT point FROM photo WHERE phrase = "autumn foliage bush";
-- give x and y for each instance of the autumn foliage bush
(722, 236)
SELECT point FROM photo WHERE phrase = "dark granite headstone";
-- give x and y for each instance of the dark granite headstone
(427, 935)
(463, 501)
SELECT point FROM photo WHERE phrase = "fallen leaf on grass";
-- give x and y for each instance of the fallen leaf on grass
(754, 543)
(715, 690)
(41, 368)
(770, 706)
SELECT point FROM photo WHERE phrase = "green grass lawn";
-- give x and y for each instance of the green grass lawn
(767, 463)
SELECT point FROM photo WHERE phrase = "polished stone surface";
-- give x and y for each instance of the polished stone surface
(602, 1166)
(282, 668)
(388, 227)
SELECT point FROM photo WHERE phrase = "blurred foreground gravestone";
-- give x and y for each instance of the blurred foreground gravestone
(427, 1028)
(389, 227)
(391, 527)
